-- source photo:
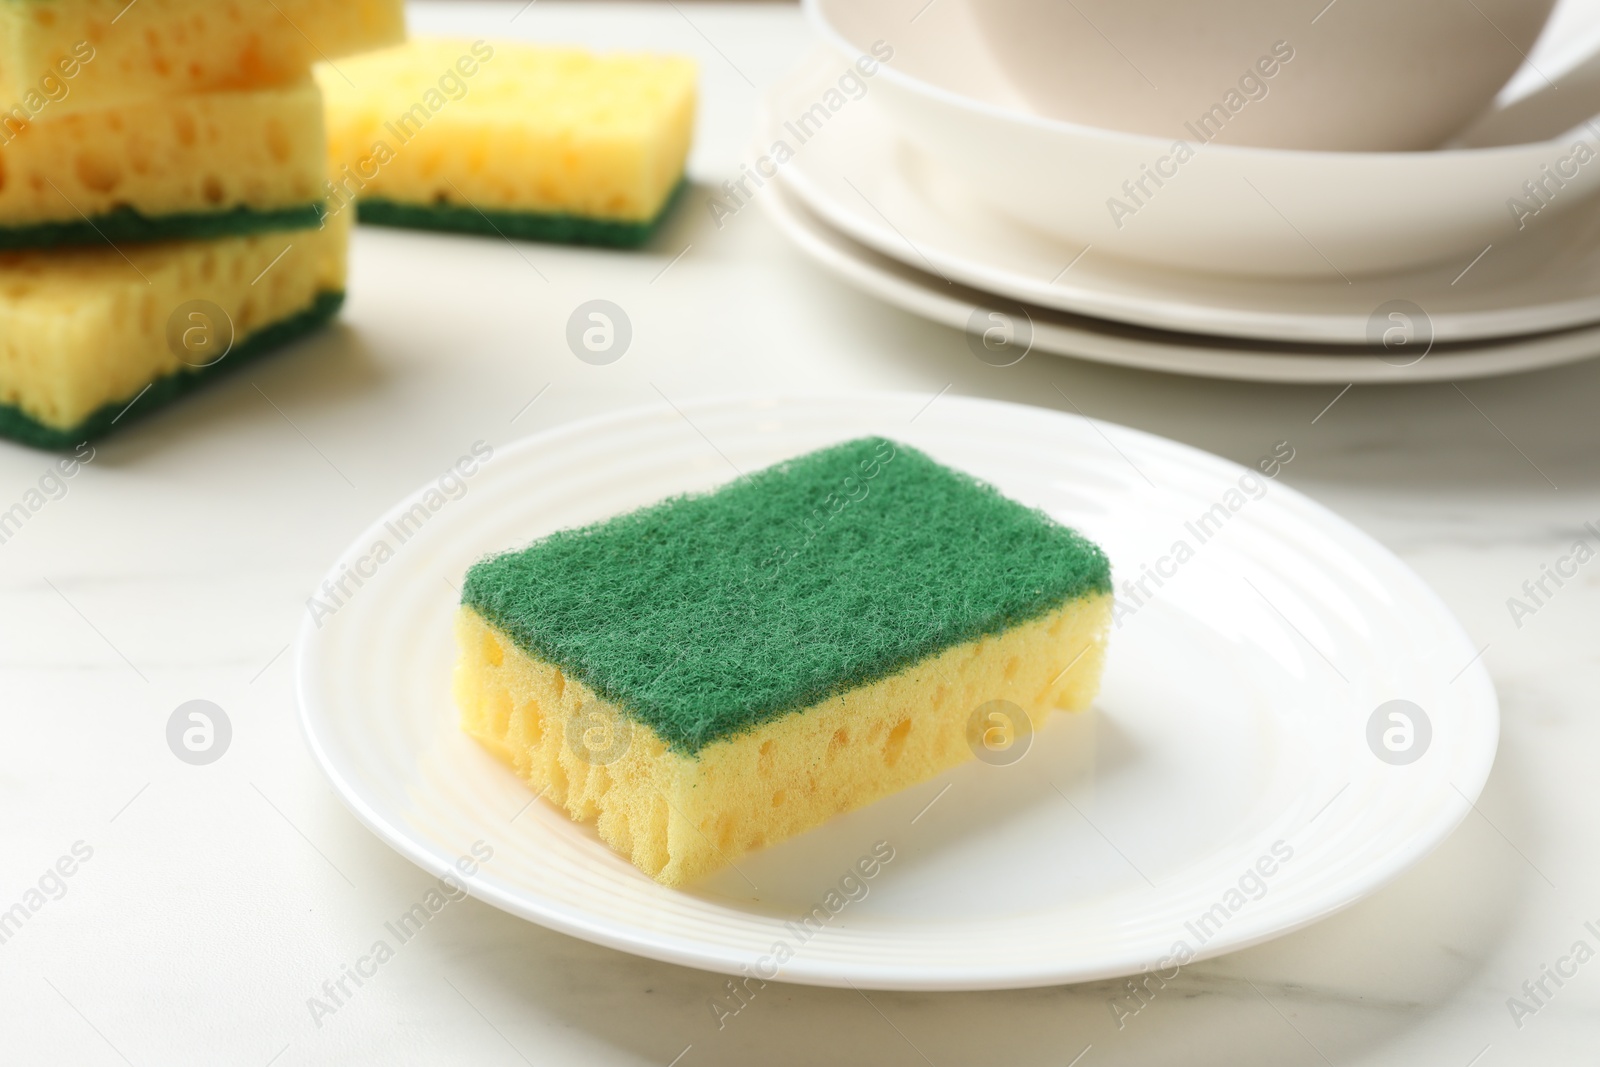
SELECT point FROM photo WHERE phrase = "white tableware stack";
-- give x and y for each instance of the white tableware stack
(1361, 191)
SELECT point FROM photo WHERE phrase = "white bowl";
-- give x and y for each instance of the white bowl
(1238, 210)
(1370, 77)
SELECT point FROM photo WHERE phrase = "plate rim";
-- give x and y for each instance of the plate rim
(1171, 313)
(1117, 344)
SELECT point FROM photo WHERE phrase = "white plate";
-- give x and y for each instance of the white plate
(1234, 716)
(1064, 333)
(859, 176)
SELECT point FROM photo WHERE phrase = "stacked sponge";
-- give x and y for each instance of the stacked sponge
(509, 139)
(163, 177)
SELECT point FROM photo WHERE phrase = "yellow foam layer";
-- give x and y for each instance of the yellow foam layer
(680, 817)
(60, 55)
(511, 127)
(262, 149)
(81, 328)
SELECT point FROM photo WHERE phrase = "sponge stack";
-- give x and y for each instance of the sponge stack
(163, 184)
(719, 672)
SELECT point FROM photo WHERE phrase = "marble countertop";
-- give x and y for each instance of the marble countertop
(206, 904)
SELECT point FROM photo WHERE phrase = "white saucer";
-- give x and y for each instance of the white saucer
(1232, 727)
(859, 176)
(1066, 334)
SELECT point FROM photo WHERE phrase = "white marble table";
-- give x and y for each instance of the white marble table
(217, 899)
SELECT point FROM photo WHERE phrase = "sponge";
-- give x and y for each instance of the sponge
(718, 672)
(518, 140)
(60, 55)
(206, 165)
(92, 339)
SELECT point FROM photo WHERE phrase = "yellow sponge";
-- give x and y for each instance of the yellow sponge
(60, 55)
(720, 671)
(523, 140)
(678, 817)
(208, 164)
(93, 338)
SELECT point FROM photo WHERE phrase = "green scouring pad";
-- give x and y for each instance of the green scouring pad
(124, 225)
(517, 225)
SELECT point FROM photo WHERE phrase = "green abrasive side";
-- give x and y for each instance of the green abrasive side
(19, 426)
(706, 615)
(125, 225)
(518, 225)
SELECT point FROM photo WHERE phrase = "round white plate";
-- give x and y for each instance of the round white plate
(857, 174)
(1230, 736)
(1067, 334)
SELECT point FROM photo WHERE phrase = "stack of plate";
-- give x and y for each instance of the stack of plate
(925, 181)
